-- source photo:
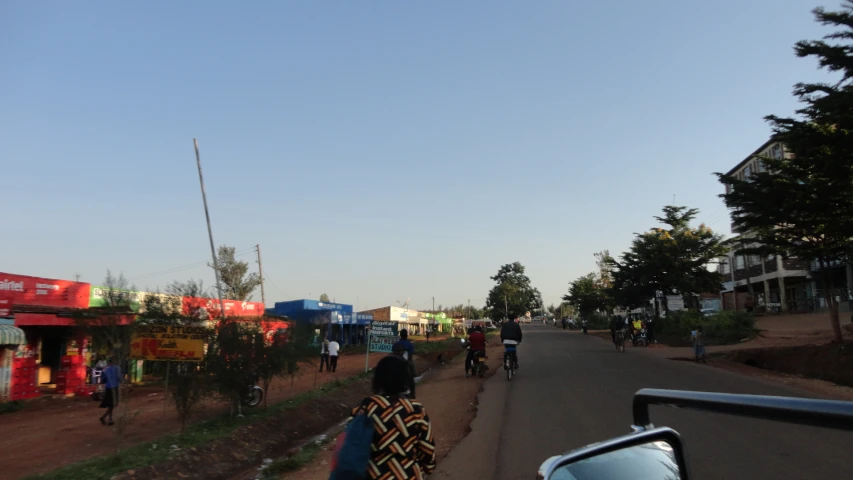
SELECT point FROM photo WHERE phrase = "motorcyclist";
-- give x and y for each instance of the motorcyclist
(511, 335)
(636, 325)
(476, 345)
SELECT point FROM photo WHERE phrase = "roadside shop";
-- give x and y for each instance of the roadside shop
(331, 320)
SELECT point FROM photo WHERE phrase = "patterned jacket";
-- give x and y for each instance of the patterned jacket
(403, 447)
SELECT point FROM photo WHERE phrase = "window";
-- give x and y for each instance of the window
(739, 262)
(759, 166)
(754, 260)
(725, 268)
(747, 171)
(777, 151)
(771, 258)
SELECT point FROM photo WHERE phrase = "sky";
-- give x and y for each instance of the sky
(377, 151)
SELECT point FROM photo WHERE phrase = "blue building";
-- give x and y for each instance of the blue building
(332, 320)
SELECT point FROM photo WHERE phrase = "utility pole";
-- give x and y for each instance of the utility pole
(261, 273)
(209, 229)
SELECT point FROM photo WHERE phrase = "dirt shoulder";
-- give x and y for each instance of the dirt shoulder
(450, 400)
(66, 430)
(794, 350)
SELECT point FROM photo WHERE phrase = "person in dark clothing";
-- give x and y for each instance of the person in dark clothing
(511, 335)
(405, 349)
(112, 380)
(616, 324)
(650, 328)
(476, 344)
(324, 355)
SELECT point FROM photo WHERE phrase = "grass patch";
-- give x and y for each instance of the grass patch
(295, 462)
(435, 345)
(9, 407)
(196, 434)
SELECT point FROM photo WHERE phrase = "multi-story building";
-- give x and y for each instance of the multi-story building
(770, 283)
(777, 283)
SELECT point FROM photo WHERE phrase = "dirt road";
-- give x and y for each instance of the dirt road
(450, 400)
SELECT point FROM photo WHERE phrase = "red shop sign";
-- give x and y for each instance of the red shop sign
(209, 308)
(26, 290)
(5, 305)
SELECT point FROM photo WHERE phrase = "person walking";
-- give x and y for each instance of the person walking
(699, 345)
(324, 355)
(334, 348)
(650, 328)
(403, 446)
(112, 380)
(405, 349)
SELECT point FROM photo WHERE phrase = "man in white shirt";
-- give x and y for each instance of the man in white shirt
(334, 347)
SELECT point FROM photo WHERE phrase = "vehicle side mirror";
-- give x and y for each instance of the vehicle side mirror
(652, 455)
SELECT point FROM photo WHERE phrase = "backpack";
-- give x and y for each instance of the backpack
(353, 457)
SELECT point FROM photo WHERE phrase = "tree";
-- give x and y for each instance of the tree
(284, 351)
(237, 282)
(801, 205)
(604, 262)
(232, 355)
(668, 260)
(112, 325)
(512, 296)
(189, 288)
(585, 294)
(188, 382)
(324, 298)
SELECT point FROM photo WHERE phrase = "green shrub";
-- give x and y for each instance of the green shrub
(721, 328)
(598, 322)
(730, 327)
(10, 407)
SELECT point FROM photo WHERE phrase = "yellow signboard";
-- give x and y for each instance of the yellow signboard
(161, 342)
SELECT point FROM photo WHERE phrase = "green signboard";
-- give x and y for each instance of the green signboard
(101, 297)
(383, 335)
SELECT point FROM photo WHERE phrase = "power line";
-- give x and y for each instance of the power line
(269, 277)
(188, 266)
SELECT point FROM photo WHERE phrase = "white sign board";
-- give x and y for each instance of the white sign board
(675, 302)
(402, 314)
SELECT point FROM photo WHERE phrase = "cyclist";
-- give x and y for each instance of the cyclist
(616, 324)
(476, 346)
(511, 337)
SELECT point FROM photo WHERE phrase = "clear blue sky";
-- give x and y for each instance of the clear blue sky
(376, 150)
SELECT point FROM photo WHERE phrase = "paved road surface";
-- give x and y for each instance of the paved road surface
(573, 390)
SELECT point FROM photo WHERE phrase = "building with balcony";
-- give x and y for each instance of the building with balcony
(778, 284)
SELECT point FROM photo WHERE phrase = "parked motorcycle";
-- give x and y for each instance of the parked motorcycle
(657, 452)
(254, 394)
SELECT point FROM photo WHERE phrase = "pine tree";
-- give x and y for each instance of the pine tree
(801, 205)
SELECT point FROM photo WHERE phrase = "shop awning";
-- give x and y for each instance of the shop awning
(10, 335)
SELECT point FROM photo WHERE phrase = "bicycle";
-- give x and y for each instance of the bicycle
(620, 340)
(510, 360)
